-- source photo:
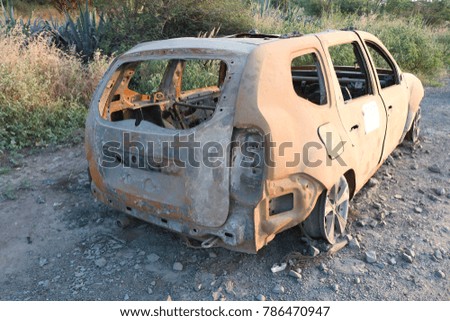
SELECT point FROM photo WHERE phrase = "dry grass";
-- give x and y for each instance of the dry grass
(36, 73)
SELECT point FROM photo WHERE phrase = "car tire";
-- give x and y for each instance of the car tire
(413, 134)
(329, 217)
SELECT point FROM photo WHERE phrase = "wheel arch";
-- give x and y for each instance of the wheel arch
(351, 181)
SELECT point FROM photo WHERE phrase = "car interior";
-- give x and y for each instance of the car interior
(172, 93)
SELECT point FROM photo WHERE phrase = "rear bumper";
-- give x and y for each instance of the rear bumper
(247, 228)
(237, 233)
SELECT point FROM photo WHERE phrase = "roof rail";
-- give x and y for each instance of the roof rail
(255, 34)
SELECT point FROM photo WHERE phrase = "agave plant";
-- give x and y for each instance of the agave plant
(82, 34)
(29, 27)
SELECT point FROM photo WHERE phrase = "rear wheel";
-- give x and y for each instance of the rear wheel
(329, 217)
(414, 131)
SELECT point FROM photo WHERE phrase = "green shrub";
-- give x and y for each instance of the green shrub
(43, 91)
(412, 43)
(53, 123)
(133, 21)
(417, 48)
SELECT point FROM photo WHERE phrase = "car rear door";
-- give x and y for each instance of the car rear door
(360, 107)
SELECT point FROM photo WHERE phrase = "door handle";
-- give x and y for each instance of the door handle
(354, 127)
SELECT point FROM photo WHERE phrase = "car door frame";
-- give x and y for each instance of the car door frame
(367, 161)
(395, 97)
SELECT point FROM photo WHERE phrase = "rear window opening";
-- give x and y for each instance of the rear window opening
(175, 93)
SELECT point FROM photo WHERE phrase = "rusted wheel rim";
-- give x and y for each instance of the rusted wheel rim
(416, 127)
(336, 211)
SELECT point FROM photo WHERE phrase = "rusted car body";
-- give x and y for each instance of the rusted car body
(314, 131)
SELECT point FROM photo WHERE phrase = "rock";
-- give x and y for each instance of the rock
(198, 287)
(278, 289)
(438, 255)
(381, 216)
(278, 267)
(373, 224)
(101, 262)
(440, 274)
(397, 154)
(177, 266)
(212, 255)
(371, 256)
(149, 290)
(126, 297)
(42, 262)
(40, 200)
(434, 169)
(217, 294)
(348, 237)
(322, 267)
(440, 191)
(354, 244)
(260, 297)
(152, 257)
(410, 252)
(44, 283)
(414, 167)
(433, 198)
(357, 280)
(373, 182)
(377, 206)
(407, 258)
(398, 197)
(361, 222)
(295, 274)
(418, 210)
(337, 247)
(392, 261)
(313, 251)
(390, 161)
(229, 287)
(335, 287)
(57, 205)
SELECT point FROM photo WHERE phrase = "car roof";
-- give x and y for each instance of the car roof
(239, 43)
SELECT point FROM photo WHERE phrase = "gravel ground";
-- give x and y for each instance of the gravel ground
(59, 244)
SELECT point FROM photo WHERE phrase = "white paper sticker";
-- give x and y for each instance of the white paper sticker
(371, 116)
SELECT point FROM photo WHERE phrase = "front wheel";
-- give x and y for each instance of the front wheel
(329, 217)
(413, 134)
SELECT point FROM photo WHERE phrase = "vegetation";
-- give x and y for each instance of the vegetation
(51, 63)
(43, 90)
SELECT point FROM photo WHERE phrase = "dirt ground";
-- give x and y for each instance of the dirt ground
(57, 243)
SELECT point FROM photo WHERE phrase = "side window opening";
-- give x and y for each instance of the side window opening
(384, 66)
(307, 78)
(351, 70)
(175, 93)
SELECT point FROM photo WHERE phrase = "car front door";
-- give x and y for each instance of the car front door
(392, 89)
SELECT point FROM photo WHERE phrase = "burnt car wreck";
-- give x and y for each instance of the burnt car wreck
(232, 140)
